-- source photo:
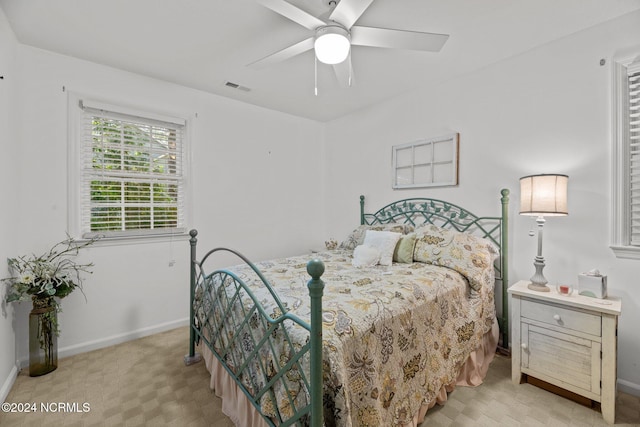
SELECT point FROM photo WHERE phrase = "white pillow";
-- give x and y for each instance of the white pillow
(384, 241)
(365, 256)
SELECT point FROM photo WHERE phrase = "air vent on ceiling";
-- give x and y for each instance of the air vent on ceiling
(237, 86)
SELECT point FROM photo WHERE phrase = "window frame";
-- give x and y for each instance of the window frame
(75, 145)
(620, 194)
(450, 144)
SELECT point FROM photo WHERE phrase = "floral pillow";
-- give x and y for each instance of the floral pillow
(357, 236)
(469, 255)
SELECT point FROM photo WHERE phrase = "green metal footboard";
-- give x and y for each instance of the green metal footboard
(419, 211)
(281, 378)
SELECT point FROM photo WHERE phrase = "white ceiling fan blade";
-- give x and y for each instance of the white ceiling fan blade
(293, 13)
(284, 54)
(344, 72)
(397, 39)
(347, 12)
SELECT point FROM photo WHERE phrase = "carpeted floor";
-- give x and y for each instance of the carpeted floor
(145, 383)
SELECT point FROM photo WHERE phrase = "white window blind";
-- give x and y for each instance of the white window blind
(634, 152)
(132, 173)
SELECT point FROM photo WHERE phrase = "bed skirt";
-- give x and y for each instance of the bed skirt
(238, 408)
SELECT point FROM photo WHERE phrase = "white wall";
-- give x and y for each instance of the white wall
(256, 184)
(545, 111)
(10, 193)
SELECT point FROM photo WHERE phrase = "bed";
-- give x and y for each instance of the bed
(341, 340)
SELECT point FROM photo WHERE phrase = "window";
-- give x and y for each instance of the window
(626, 158)
(130, 172)
(426, 163)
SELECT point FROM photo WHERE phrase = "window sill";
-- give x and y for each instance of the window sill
(627, 252)
(139, 239)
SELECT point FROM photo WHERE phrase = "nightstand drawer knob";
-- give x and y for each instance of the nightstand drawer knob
(556, 317)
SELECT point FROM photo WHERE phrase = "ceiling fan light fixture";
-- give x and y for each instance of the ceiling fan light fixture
(332, 44)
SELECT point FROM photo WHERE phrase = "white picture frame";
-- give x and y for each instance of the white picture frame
(429, 162)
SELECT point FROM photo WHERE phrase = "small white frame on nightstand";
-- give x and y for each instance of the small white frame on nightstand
(569, 341)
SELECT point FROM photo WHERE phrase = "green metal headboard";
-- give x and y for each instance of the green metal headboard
(417, 211)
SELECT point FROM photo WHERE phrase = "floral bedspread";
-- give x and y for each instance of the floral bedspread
(393, 336)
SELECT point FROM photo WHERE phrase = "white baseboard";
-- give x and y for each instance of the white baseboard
(629, 387)
(113, 340)
(8, 383)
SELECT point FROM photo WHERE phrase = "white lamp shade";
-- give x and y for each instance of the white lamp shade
(543, 195)
(332, 44)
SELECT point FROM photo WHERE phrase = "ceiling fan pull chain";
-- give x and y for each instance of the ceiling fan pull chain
(315, 74)
(350, 69)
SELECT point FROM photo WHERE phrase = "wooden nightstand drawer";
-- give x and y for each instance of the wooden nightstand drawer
(562, 317)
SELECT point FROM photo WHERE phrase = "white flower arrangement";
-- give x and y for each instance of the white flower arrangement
(53, 274)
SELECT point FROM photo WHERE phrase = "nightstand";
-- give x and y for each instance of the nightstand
(567, 341)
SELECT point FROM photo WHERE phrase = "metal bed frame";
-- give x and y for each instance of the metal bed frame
(218, 332)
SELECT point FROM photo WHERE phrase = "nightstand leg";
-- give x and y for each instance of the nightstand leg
(516, 350)
(609, 371)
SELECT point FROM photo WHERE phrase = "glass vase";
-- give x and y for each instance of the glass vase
(43, 340)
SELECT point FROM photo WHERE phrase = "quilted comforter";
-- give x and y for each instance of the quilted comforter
(392, 336)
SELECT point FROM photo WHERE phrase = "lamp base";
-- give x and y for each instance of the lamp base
(538, 287)
(538, 282)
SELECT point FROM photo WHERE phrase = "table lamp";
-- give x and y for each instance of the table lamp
(540, 196)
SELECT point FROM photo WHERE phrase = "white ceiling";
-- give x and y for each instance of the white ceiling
(204, 43)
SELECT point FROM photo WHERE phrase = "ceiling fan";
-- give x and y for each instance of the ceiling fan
(333, 37)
